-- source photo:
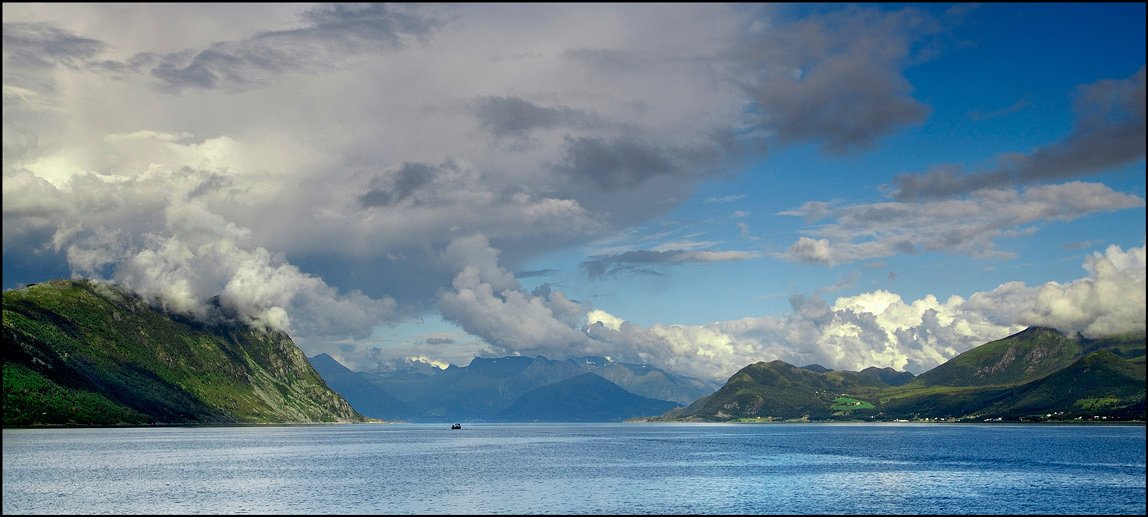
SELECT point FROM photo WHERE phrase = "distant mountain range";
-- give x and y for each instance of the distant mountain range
(360, 393)
(514, 388)
(1038, 374)
(587, 397)
(88, 353)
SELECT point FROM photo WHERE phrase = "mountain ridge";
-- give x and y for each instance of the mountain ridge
(587, 397)
(485, 388)
(81, 352)
(367, 398)
(1036, 374)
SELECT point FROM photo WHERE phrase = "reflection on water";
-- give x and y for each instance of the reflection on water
(578, 468)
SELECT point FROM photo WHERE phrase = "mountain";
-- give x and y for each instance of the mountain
(778, 390)
(367, 398)
(888, 375)
(869, 376)
(583, 398)
(90, 353)
(1031, 374)
(1036, 374)
(1100, 382)
(487, 386)
(646, 380)
(1025, 356)
(474, 392)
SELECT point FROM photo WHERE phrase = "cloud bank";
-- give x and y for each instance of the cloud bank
(968, 226)
(880, 328)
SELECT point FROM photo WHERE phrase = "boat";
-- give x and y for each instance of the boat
(456, 426)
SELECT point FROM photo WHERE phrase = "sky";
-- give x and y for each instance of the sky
(698, 187)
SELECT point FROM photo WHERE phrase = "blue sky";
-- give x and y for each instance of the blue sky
(694, 186)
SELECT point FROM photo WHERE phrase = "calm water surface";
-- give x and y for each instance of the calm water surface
(578, 468)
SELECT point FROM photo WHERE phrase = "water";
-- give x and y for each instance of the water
(578, 468)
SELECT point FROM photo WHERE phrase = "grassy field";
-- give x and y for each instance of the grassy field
(846, 404)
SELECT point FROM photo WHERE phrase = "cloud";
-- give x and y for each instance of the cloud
(1110, 300)
(331, 36)
(795, 70)
(600, 266)
(43, 45)
(725, 199)
(534, 273)
(208, 264)
(487, 301)
(967, 226)
(624, 162)
(1109, 132)
(397, 185)
(514, 117)
(159, 232)
(34, 53)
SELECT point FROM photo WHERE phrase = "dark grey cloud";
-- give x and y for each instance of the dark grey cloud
(798, 71)
(624, 162)
(639, 261)
(1109, 132)
(33, 52)
(534, 273)
(601, 266)
(43, 45)
(212, 183)
(438, 341)
(816, 109)
(333, 34)
(514, 117)
(547, 292)
(395, 186)
(608, 58)
(136, 64)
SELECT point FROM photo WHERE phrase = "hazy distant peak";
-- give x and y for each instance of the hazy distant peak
(593, 360)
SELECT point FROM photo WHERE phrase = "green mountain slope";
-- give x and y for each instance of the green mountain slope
(1024, 356)
(1098, 383)
(88, 353)
(1036, 374)
(1038, 371)
(888, 375)
(780, 391)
